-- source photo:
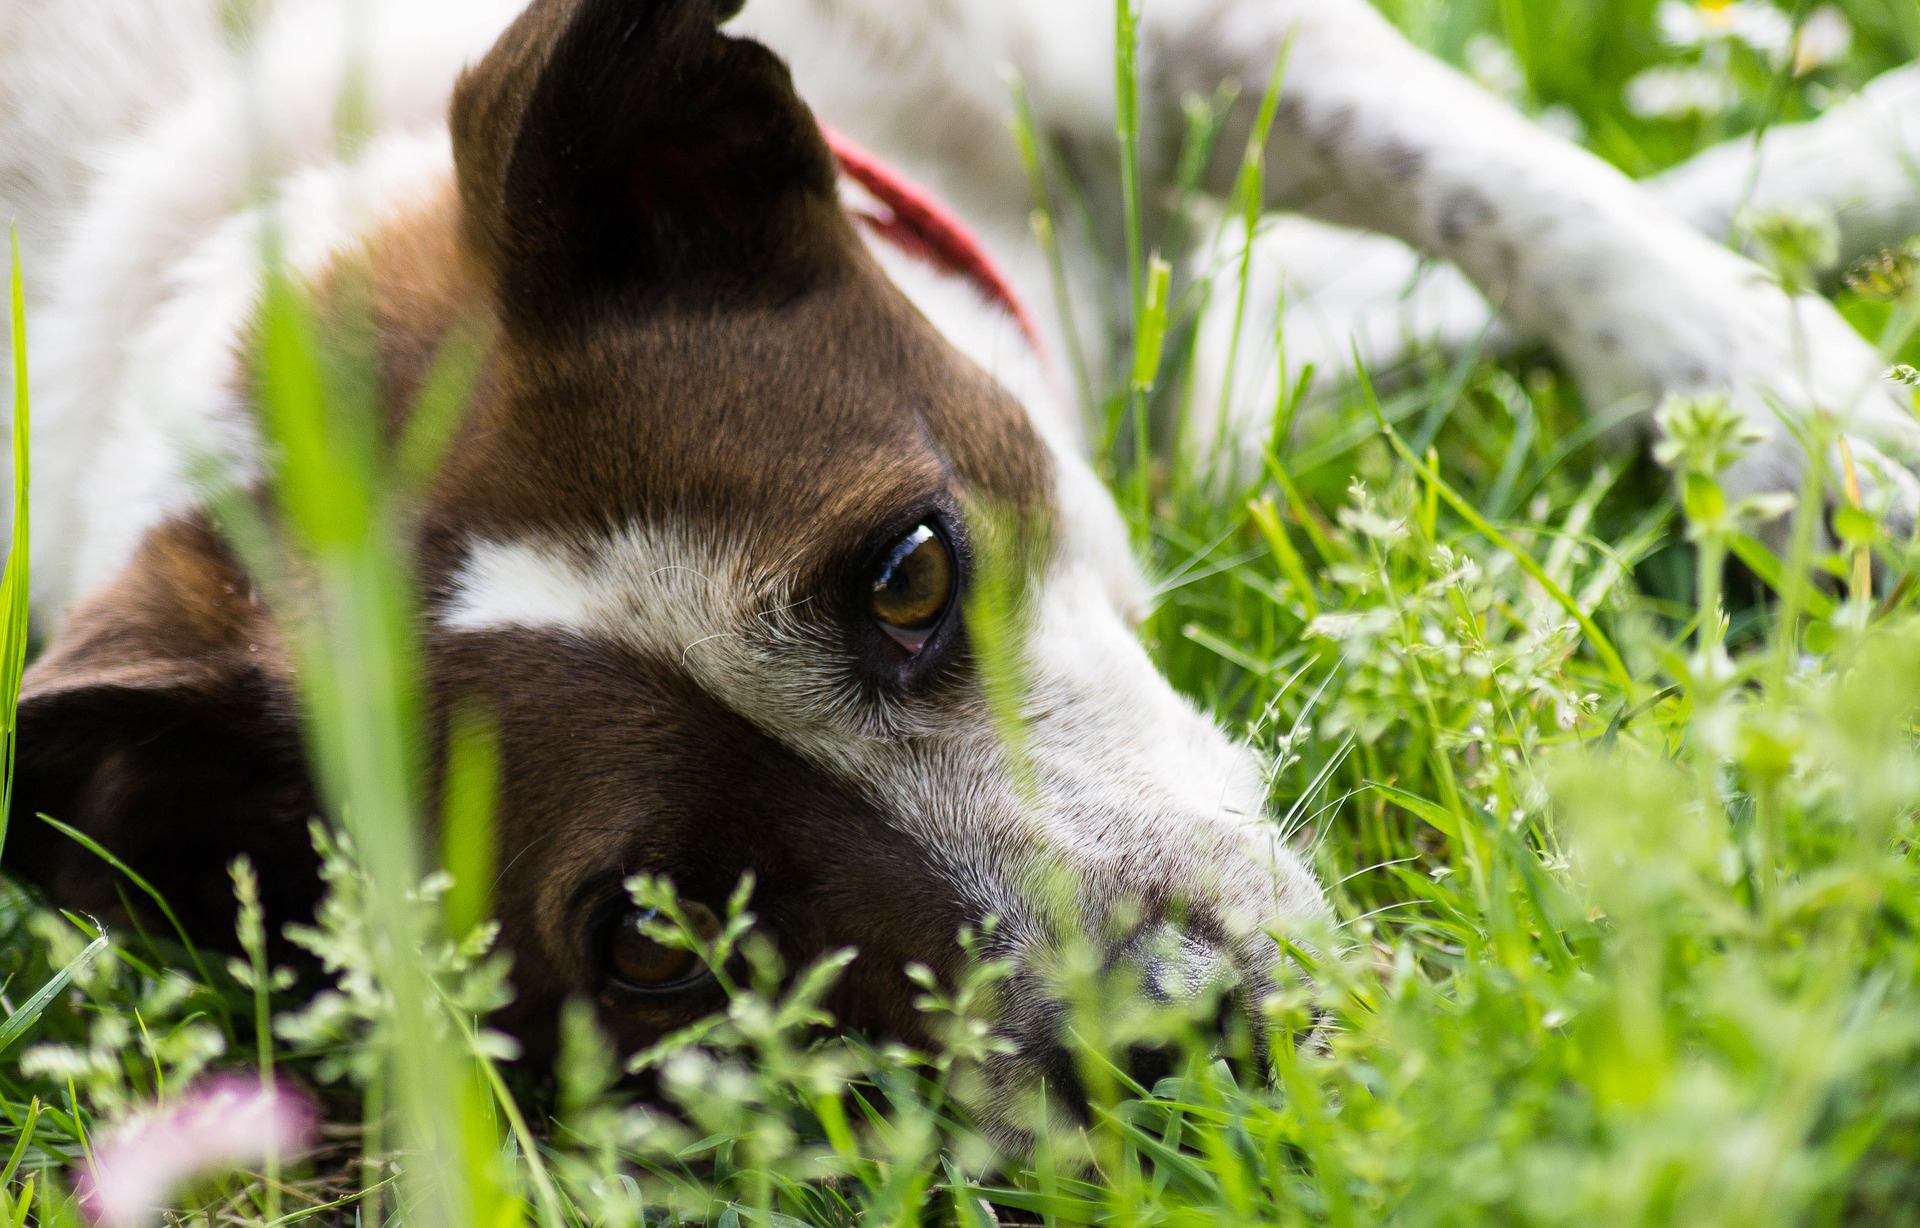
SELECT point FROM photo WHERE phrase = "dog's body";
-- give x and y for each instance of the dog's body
(708, 403)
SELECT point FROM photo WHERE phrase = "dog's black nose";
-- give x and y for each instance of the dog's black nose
(1220, 1023)
(1148, 1064)
(1163, 999)
(1209, 996)
(1225, 1030)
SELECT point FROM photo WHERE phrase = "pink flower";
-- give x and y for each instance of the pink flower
(228, 1122)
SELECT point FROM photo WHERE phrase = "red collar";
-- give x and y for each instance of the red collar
(918, 224)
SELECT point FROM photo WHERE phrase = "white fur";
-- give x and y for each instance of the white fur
(75, 74)
(136, 344)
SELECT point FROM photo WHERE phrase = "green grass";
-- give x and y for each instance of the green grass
(13, 584)
(1624, 864)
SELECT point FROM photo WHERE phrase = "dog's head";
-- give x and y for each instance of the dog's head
(705, 546)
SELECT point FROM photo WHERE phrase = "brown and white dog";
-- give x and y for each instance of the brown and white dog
(703, 538)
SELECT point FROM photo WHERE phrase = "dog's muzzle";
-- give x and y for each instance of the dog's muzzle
(1086, 1026)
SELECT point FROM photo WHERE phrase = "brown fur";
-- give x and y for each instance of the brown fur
(162, 723)
(619, 765)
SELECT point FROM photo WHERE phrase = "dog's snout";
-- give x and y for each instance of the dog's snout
(1207, 993)
(1164, 996)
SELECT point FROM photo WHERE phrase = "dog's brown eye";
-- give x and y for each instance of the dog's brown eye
(634, 960)
(912, 586)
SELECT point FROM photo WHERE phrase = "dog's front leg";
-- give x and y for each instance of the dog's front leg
(1371, 132)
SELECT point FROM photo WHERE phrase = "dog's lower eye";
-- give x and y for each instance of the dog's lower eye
(634, 960)
(912, 586)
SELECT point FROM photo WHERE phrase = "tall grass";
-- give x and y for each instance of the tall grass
(14, 583)
(1624, 862)
(355, 644)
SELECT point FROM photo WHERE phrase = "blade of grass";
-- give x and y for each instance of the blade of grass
(23, 1207)
(1150, 339)
(1860, 585)
(1436, 816)
(1266, 517)
(353, 630)
(14, 585)
(30, 1011)
(1047, 231)
(440, 406)
(1126, 92)
(1249, 197)
(466, 824)
(21, 1143)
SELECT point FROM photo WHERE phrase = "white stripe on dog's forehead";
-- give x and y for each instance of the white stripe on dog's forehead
(521, 585)
(659, 590)
(671, 593)
(690, 598)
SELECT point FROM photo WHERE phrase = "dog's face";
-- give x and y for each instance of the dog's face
(705, 547)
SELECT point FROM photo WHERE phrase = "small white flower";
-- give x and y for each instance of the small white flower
(1564, 122)
(1759, 25)
(1684, 25)
(1492, 63)
(1677, 92)
(1826, 37)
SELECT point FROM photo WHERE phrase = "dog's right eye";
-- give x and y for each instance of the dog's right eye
(912, 587)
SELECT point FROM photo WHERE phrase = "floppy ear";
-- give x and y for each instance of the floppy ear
(161, 722)
(628, 148)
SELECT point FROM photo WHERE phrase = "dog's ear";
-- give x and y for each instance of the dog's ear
(161, 723)
(628, 148)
